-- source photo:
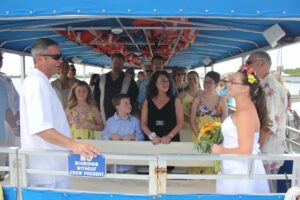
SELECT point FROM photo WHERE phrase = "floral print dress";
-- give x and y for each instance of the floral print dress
(75, 120)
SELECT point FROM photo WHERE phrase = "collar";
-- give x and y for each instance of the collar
(116, 117)
(266, 79)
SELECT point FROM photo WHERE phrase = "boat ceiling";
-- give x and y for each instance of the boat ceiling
(186, 33)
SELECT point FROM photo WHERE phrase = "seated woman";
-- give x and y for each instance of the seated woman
(158, 120)
(187, 98)
(83, 116)
(241, 134)
(207, 107)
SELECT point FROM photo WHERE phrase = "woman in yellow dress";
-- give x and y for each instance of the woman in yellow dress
(83, 116)
(208, 107)
(187, 97)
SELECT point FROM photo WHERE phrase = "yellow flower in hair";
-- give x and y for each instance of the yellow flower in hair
(251, 79)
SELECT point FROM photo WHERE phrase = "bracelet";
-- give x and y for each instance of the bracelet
(151, 136)
(171, 135)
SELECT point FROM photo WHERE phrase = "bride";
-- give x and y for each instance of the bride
(241, 133)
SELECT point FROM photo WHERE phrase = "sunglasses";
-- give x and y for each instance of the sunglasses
(250, 62)
(233, 82)
(53, 56)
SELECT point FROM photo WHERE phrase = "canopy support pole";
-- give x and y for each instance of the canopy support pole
(84, 72)
(243, 59)
(22, 57)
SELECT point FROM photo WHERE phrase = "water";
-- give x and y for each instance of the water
(293, 84)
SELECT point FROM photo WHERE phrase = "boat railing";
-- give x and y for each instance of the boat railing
(159, 174)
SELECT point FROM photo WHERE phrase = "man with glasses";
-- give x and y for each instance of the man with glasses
(72, 72)
(44, 125)
(157, 64)
(272, 142)
(147, 70)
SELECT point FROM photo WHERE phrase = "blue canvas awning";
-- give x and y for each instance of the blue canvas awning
(186, 33)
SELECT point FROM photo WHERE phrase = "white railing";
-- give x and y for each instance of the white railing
(12, 167)
(293, 143)
(174, 154)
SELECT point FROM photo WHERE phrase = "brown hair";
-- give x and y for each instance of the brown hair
(72, 100)
(258, 97)
(116, 100)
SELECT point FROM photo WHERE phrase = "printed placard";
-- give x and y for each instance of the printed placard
(81, 166)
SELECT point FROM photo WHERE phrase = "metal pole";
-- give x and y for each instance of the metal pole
(84, 72)
(22, 67)
(243, 60)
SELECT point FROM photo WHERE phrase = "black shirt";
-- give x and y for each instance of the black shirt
(162, 121)
(112, 88)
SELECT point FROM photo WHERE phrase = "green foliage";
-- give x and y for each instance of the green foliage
(292, 72)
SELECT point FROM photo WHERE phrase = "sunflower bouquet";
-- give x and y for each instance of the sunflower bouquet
(209, 134)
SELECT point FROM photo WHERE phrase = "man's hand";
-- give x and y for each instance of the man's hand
(84, 149)
(114, 136)
(130, 137)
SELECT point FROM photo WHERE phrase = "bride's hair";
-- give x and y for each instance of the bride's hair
(258, 96)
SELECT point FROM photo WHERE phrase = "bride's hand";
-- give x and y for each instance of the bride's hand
(216, 149)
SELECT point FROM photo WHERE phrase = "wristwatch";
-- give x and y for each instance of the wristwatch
(151, 136)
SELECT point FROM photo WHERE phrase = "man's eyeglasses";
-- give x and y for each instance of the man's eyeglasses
(53, 56)
(225, 80)
(250, 62)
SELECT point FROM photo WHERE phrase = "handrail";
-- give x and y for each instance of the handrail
(293, 130)
(157, 164)
(13, 163)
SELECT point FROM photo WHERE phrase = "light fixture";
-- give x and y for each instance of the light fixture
(117, 31)
(273, 34)
(138, 54)
(76, 60)
(206, 61)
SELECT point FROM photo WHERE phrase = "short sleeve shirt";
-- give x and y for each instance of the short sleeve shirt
(40, 109)
(277, 109)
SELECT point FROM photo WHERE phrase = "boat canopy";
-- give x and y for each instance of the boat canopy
(186, 33)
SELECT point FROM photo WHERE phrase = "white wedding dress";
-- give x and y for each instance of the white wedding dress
(240, 186)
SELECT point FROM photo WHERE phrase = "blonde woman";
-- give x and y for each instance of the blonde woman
(187, 97)
(83, 116)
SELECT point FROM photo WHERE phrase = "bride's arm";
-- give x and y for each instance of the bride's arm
(245, 124)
